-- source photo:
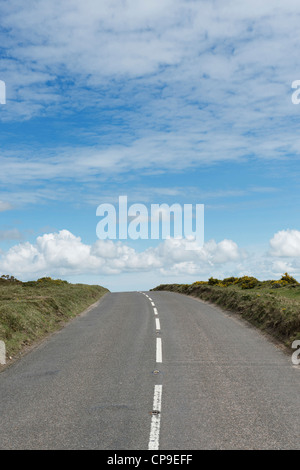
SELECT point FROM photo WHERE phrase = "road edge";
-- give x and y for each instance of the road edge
(36, 344)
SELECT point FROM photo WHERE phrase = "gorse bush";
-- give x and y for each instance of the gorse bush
(229, 281)
(212, 281)
(49, 280)
(285, 280)
(247, 282)
(7, 278)
(288, 279)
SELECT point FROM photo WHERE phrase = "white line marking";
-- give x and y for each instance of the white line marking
(153, 304)
(150, 298)
(155, 311)
(2, 353)
(155, 420)
(158, 350)
(157, 323)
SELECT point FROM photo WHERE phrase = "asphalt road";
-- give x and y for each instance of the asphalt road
(133, 373)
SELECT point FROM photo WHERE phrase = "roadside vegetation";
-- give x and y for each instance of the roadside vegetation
(31, 310)
(273, 306)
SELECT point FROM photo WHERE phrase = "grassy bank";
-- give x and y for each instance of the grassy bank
(272, 306)
(31, 310)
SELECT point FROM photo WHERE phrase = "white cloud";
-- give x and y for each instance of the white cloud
(202, 69)
(286, 243)
(11, 234)
(63, 253)
(5, 206)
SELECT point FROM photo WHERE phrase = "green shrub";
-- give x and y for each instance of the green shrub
(8, 278)
(246, 282)
(229, 281)
(288, 279)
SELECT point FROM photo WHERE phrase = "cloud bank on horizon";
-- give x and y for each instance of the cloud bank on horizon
(186, 101)
(65, 254)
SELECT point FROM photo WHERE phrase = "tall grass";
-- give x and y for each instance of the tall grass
(31, 310)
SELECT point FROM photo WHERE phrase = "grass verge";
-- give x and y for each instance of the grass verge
(272, 306)
(31, 310)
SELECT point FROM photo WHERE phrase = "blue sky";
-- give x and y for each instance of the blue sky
(165, 102)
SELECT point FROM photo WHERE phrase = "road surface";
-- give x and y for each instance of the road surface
(153, 370)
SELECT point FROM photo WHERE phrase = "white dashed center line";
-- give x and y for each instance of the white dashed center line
(155, 421)
(158, 350)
